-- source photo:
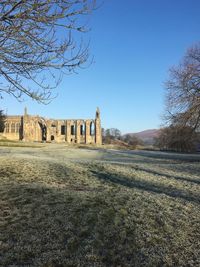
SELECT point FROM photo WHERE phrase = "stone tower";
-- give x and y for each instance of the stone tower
(98, 135)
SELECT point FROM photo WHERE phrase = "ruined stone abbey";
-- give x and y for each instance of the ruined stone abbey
(38, 129)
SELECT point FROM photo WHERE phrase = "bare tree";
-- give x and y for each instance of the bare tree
(177, 138)
(183, 90)
(110, 134)
(132, 140)
(36, 43)
(115, 133)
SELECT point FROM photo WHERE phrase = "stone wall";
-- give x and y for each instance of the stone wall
(13, 128)
(39, 129)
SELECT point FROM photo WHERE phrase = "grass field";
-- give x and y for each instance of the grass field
(61, 206)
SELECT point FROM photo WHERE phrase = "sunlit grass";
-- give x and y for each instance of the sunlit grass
(97, 213)
(12, 143)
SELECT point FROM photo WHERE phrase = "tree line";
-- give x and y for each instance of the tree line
(182, 105)
(112, 135)
(178, 138)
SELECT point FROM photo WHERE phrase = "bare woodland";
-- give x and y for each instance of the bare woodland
(183, 104)
(183, 90)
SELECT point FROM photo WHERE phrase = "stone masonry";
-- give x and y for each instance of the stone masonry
(31, 128)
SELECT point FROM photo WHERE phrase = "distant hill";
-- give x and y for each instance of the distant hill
(147, 136)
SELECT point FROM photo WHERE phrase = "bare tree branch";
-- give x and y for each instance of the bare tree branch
(36, 44)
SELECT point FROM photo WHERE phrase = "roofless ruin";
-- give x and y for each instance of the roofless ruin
(34, 128)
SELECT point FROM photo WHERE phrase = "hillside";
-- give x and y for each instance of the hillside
(147, 136)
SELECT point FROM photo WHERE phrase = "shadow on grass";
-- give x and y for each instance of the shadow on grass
(50, 227)
(137, 167)
(183, 179)
(169, 156)
(147, 186)
(43, 226)
(162, 155)
(191, 169)
(139, 158)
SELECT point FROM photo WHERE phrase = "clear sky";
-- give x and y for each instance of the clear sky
(134, 42)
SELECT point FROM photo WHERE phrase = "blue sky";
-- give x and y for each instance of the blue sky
(134, 42)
